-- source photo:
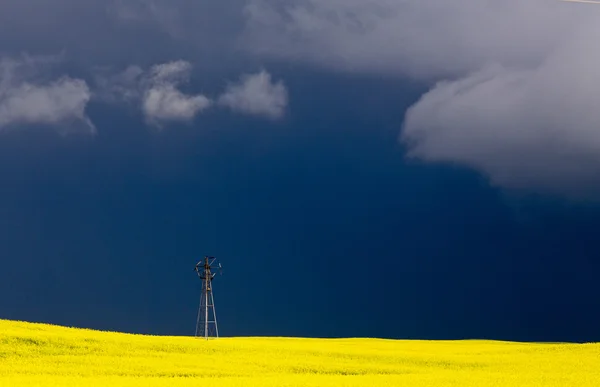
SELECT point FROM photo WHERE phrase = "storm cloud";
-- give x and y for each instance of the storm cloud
(511, 83)
(121, 32)
(417, 39)
(514, 90)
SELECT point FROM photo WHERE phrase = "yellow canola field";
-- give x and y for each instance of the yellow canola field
(48, 356)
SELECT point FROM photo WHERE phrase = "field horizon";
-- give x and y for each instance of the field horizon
(39, 354)
(482, 339)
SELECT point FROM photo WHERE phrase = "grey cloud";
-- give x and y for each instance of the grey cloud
(511, 92)
(535, 128)
(160, 13)
(113, 34)
(120, 87)
(121, 32)
(256, 94)
(515, 82)
(420, 39)
(26, 97)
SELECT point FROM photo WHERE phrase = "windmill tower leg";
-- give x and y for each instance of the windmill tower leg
(206, 306)
(198, 318)
(202, 309)
(212, 299)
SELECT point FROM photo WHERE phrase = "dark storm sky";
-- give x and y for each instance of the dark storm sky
(324, 227)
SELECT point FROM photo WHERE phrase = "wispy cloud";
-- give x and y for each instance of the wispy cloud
(159, 12)
(157, 93)
(256, 94)
(28, 97)
(162, 101)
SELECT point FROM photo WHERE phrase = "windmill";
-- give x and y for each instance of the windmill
(206, 322)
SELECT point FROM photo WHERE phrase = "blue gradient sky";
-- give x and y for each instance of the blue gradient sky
(323, 225)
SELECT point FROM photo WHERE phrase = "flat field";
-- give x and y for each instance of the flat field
(48, 356)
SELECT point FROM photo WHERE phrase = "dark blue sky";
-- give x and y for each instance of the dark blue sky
(399, 169)
(322, 227)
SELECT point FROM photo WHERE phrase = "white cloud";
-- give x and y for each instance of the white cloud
(171, 72)
(163, 102)
(166, 103)
(155, 91)
(28, 98)
(256, 94)
(515, 82)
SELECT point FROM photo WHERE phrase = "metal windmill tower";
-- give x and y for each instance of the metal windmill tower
(206, 323)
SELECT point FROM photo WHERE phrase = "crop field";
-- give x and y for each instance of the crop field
(45, 355)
